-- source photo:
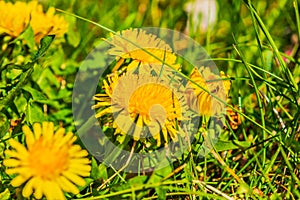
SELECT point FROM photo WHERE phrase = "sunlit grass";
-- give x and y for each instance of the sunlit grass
(256, 43)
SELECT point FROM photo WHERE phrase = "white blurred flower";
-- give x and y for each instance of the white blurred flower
(201, 15)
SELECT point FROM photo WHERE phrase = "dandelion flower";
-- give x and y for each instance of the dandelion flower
(14, 18)
(203, 102)
(142, 106)
(146, 50)
(49, 165)
(233, 117)
(47, 23)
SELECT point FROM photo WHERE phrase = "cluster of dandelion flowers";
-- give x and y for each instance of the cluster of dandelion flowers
(146, 51)
(143, 106)
(50, 164)
(207, 103)
(15, 18)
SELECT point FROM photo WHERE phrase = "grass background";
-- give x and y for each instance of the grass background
(259, 160)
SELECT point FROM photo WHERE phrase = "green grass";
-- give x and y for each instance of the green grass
(258, 160)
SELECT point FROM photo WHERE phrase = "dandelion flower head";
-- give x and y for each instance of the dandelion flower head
(146, 50)
(204, 102)
(49, 165)
(142, 105)
(14, 19)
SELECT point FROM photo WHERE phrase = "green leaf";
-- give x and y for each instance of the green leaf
(45, 44)
(28, 36)
(21, 103)
(35, 94)
(34, 113)
(131, 183)
(98, 172)
(243, 189)
(138, 180)
(5, 194)
(158, 176)
(4, 125)
(222, 145)
(62, 114)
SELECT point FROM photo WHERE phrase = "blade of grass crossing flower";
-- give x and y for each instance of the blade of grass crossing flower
(163, 64)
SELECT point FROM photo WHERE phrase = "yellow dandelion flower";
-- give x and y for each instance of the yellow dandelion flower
(50, 164)
(233, 117)
(132, 44)
(203, 102)
(47, 23)
(14, 18)
(142, 106)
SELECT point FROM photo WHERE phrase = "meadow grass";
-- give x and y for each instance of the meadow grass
(256, 43)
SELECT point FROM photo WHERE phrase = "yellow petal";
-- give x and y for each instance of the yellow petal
(19, 147)
(48, 129)
(28, 135)
(53, 191)
(37, 129)
(80, 161)
(101, 103)
(13, 154)
(18, 180)
(80, 173)
(19, 170)
(37, 185)
(165, 134)
(104, 112)
(118, 64)
(81, 153)
(64, 140)
(74, 178)
(74, 149)
(138, 129)
(73, 139)
(67, 186)
(133, 65)
(60, 133)
(11, 162)
(46, 189)
(80, 167)
(28, 188)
